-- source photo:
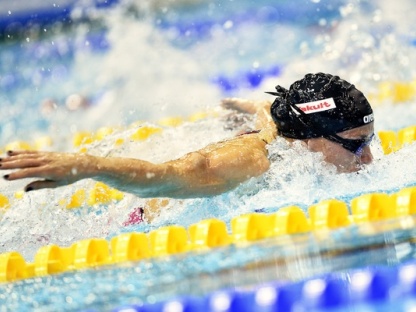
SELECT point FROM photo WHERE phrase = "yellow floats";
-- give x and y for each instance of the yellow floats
(130, 247)
(12, 267)
(19, 145)
(207, 234)
(82, 139)
(52, 259)
(4, 202)
(103, 194)
(405, 201)
(394, 92)
(329, 214)
(144, 132)
(251, 227)
(100, 194)
(168, 240)
(392, 141)
(372, 207)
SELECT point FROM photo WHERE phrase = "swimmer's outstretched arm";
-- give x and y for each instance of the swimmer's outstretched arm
(213, 170)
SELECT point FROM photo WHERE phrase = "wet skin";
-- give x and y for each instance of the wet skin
(344, 160)
(333, 153)
(215, 169)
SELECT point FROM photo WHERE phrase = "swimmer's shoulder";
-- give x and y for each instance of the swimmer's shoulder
(267, 135)
(251, 141)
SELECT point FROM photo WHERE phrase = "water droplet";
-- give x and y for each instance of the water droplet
(228, 24)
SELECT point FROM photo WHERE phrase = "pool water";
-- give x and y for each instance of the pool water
(137, 62)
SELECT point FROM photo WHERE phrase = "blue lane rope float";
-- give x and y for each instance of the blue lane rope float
(249, 79)
(371, 288)
(186, 21)
(19, 17)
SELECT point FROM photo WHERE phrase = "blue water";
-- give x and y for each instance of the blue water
(145, 63)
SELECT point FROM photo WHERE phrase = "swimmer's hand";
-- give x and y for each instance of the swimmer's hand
(55, 169)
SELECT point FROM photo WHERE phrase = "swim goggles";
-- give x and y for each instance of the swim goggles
(355, 146)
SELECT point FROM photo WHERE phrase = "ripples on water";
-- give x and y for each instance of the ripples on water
(142, 68)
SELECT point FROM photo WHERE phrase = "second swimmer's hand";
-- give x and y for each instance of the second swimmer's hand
(54, 169)
(239, 105)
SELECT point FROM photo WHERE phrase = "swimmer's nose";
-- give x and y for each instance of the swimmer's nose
(366, 157)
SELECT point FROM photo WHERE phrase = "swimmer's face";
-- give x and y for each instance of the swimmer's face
(343, 159)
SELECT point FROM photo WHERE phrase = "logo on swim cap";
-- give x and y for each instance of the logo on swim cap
(369, 118)
(316, 106)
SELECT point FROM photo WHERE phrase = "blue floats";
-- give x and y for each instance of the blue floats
(249, 79)
(18, 15)
(198, 21)
(369, 288)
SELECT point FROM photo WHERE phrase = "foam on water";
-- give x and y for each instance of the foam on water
(296, 177)
(146, 74)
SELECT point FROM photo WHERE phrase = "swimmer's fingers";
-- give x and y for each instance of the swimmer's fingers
(22, 155)
(18, 162)
(21, 159)
(32, 172)
(26, 153)
(41, 184)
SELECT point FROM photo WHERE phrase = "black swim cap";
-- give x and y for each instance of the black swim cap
(318, 105)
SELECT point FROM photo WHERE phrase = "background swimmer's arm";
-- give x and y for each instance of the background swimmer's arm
(261, 108)
(265, 122)
(240, 105)
(264, 119)
(218, 168)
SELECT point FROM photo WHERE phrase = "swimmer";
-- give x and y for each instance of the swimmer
(328, 114)
(76, 102)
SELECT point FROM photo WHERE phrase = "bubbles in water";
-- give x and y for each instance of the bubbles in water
(143, 71)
